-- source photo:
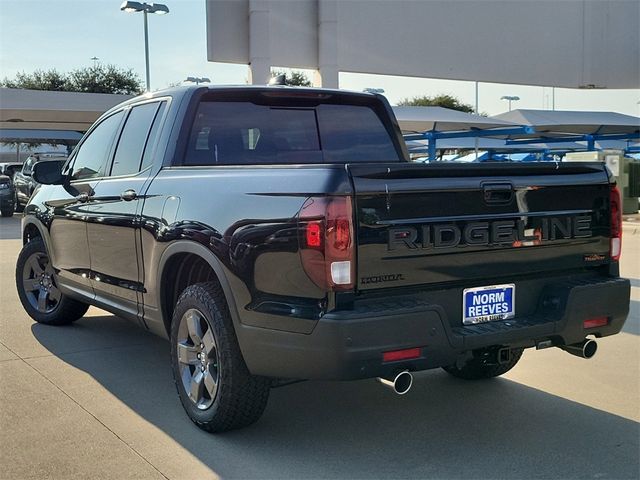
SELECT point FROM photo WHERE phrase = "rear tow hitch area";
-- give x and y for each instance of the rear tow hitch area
(490, 356)
(503, 356)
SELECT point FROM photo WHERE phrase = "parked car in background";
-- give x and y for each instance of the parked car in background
(23, 181)
(7, 196)
(10, 168)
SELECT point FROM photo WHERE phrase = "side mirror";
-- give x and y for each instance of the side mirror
(48, 173)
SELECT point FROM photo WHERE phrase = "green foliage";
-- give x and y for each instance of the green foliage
(442, 100)
(97, 79)
(105, 79)
(38, 80)
(294, 77)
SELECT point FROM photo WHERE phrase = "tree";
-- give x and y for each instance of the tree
(442, 100)
(105, 79)
(38, 80)
(97, 79)
(294, 77)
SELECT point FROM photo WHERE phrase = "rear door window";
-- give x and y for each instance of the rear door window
(147, 156)
(133, 139)
(233, 132)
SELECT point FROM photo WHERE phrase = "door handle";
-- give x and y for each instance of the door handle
(128, 195)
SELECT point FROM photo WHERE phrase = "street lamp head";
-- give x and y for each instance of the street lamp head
(158, 8)
(131, 7)
(197, 80)
(511, 98)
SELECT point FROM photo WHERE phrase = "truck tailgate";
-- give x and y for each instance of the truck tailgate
(470, 223)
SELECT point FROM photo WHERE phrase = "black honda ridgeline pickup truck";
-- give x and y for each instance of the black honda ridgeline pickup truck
(277, 234)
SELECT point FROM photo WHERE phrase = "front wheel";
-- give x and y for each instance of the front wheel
(478, 368)
(37, 285)
(213, 382)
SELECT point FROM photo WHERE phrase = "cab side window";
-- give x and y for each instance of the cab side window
(92, 156)
(135, 136)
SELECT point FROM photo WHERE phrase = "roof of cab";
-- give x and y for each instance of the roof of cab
(182, 90)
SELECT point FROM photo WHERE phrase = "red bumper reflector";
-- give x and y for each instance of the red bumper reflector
(595, 322)
(396, 355)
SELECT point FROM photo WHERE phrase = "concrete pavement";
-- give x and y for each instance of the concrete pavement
(96, 400)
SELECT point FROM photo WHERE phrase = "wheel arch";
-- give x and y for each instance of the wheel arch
(31, 229)
(172, 267)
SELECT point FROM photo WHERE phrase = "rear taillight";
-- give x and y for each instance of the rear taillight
(615, 246)
(327, 242)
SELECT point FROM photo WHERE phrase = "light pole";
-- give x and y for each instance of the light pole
(95, 61)
(510, 98)
(160, 9)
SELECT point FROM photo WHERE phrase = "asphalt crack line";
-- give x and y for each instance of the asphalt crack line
(89, 413)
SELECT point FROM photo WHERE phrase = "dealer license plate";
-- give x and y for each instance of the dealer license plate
(487, 304)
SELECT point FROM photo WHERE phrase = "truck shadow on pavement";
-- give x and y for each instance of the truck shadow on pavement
(632, 325)
(444, 427)
(10, 227)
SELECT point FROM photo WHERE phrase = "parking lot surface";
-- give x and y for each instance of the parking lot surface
(96, 400)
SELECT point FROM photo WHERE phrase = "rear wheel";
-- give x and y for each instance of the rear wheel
(37, 285)
(215, 387)
(479, 367)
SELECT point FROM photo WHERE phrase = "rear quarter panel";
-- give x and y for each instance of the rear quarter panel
(245, 216)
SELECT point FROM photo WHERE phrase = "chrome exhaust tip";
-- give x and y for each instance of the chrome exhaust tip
(400, 384)
(585, 349)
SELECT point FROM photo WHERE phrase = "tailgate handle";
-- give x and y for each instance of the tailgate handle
(498, 193)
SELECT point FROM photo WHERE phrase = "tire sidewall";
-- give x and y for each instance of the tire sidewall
(194, 301)
(34, 246)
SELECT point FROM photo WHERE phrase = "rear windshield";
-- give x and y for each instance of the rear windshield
(235, 132)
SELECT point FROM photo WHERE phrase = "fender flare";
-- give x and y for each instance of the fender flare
(187, 246)
(31, 220)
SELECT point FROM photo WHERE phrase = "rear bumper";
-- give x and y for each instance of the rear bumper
(349, 344)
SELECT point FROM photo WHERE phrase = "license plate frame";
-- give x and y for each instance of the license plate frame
(495, 305)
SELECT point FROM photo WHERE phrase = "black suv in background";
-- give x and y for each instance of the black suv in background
(7, 196)
(23, 181)
(10, 168)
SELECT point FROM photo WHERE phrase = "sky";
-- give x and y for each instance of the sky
(66, 34)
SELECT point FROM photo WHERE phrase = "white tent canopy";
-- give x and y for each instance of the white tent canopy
(18, 135)
(469, 143)
(44, 110)
(559, 122)
(423, 119)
